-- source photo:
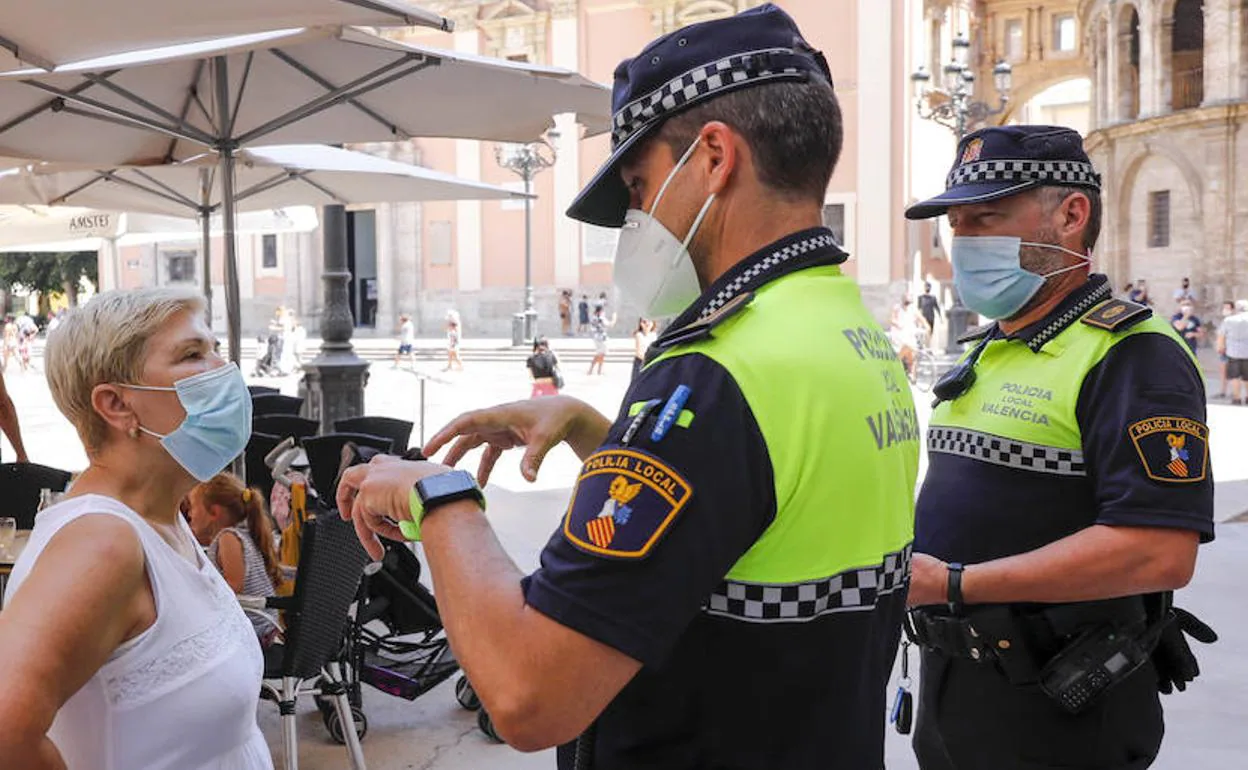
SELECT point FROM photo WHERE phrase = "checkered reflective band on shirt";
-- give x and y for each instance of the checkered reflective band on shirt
(762, 267)
(855, 590)
(1003, 451)
(1061, 172)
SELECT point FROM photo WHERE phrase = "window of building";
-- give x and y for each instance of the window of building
(1014, 48)
(180, 266)
(1159, 219)
(440, 233)
(1064, 30)
(268, 253)
(834, 220)
(598, 244)
(523, 58)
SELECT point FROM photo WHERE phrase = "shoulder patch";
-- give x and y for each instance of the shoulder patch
(1174, 450)
(624, 502)
(1116, 315)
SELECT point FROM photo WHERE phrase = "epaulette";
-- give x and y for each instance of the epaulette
(978, 333)
(1117, 315)
(701, 328)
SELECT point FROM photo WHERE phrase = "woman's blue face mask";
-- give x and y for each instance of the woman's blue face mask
(989, 275)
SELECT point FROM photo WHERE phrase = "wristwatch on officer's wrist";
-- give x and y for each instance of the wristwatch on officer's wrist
(954, 592)
(433, 491)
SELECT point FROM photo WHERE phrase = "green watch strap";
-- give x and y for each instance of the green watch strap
(411, 527)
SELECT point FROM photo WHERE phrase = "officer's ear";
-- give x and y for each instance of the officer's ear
(721, 156)
(1072, 216)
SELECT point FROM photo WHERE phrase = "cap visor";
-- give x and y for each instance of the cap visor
(967, 194)
(604, 201)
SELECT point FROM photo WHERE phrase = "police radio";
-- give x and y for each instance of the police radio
(1090, 666)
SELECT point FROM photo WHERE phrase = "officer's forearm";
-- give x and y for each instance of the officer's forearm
(1099, 562)
(541, 682)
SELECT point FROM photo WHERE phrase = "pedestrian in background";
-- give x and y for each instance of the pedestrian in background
(582, 315)
(643, 338)
(929, 307)
(1183, 295)
(565, 312)
(453, 360)
(598, 331)
(407, 342)
(9, 423)
(1228, 310)
(1139, 294)
(1188, 325)
(544, 369)
(1233, 341)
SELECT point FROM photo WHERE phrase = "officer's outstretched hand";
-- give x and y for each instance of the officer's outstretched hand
(537, 425)
(375, 495)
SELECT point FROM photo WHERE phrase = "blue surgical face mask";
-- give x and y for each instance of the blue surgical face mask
(990, 278)
(217, 424)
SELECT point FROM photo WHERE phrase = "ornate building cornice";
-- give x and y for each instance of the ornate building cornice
(670, 15)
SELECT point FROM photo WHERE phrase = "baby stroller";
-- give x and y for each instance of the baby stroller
(393, 639)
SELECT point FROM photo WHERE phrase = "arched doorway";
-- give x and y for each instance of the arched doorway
(1185, 28)
(1064, 103)
(1159, 219)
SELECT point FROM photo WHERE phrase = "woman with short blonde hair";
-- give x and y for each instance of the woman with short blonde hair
(116, 627)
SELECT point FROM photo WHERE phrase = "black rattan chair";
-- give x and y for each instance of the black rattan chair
(325, 457)
(331, 562)
(275, 403)
(262, 390)
(283, 425)
(20, 484)
(258, 474)
(398, 431)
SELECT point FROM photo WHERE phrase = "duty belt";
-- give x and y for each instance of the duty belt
(1018, 638)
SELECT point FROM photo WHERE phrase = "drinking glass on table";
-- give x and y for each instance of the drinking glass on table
(8, 536)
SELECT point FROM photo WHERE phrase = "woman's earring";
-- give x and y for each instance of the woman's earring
(134, 432)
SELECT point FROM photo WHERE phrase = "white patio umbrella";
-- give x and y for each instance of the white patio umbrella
(265, 178)
(47, 34)
(307, 85)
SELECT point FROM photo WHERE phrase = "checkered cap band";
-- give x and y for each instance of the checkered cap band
(694, 85)
(764, 266)
(1003, 451)
(854, 590)
(1058, 172)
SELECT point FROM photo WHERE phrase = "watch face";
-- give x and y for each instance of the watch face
(446, 484)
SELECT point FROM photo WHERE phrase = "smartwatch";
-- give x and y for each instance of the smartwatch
(432, 491)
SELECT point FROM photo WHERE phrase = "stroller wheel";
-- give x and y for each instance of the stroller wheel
(334, 725)
(466, 696)
(487, 726)
(324, 703)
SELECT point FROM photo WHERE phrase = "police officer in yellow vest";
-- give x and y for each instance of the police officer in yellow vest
(1068, 485)
(726, 588)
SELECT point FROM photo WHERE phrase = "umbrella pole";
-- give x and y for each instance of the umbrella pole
(205, 221)
(226, 151)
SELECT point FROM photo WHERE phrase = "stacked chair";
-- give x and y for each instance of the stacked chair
(21, 485)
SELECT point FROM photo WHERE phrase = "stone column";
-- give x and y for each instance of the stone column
(875, 154)
(565, 46)
(1222, 54)
(1113, 73)
(1154, 74)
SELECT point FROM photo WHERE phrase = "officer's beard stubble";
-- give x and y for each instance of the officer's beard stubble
(1043, 261)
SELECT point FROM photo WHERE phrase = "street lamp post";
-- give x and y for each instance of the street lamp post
(952, 105)
(527, 161)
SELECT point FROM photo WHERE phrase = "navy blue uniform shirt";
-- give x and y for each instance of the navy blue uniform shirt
(971, 511)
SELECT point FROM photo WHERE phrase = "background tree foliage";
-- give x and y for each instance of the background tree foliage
(49, 273)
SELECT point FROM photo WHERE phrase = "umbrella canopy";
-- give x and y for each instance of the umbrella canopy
(68, 228)
(265, 178)
(325, 86)
(53, 33)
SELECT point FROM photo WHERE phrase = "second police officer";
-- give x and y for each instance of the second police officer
(726, 587)
(1068, 486)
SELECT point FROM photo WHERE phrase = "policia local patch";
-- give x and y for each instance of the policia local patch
(624, 501)
(1174, 450)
